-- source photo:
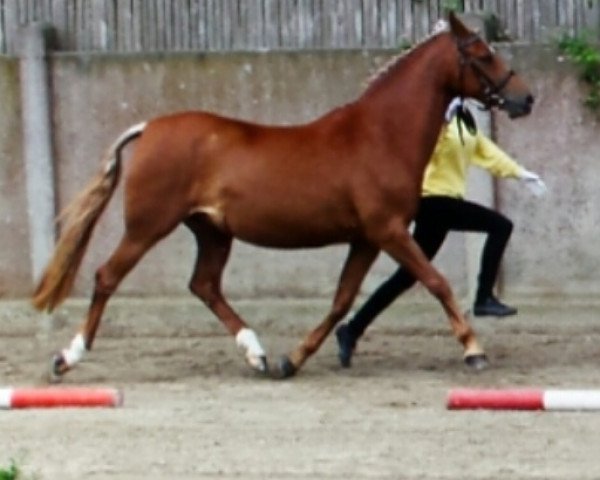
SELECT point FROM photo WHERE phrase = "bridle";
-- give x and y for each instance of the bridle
(492, 91)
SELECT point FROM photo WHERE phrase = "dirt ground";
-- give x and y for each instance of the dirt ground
(193, 410)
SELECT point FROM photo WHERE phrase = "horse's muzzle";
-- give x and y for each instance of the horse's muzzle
(518, 107)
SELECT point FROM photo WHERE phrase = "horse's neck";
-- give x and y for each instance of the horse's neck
(410, 101)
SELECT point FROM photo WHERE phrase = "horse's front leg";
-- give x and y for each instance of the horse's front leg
(359, 260)
(400, 245)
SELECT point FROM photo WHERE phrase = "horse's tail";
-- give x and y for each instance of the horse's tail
(80, 218)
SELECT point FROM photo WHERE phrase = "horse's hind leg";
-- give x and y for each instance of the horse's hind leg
(213, 252)
(360, 259)
(108, 277)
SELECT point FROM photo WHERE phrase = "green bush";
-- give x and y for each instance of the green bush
(586, 57)
(10, 473)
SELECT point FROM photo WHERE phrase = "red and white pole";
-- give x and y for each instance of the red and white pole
(523, 399)
(52, 397)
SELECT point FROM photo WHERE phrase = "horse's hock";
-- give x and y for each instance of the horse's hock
(107, 93)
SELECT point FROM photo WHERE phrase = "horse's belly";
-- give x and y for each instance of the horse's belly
(278, 232)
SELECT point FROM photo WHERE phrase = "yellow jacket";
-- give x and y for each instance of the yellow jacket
(446, 173)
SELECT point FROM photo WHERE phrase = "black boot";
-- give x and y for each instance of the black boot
(492, 307)
(346, 345)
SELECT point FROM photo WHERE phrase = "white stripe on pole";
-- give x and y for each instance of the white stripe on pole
(572, 400)
(5, 397)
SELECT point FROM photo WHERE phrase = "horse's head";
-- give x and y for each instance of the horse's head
(483, 75)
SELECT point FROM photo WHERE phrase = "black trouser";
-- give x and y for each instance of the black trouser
(437, 216)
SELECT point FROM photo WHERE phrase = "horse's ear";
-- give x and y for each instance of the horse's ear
(456, 26)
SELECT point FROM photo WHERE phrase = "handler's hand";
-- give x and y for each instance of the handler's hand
(533, 181)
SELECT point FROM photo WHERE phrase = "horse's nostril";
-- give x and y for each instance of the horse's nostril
(530, 99)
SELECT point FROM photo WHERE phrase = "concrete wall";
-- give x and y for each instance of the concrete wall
(95, 97)
(555, 250)
(15, 277)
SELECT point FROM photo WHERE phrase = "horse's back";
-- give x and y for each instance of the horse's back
(278, 186)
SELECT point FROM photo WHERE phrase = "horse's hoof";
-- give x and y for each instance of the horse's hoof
(477, 362)
(260, 365)
(286, 368)
(58, 367)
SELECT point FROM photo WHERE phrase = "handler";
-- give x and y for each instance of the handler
(443, 209)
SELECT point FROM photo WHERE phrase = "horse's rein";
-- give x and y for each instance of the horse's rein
(491, 90)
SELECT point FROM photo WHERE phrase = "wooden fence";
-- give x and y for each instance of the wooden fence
(222, 25)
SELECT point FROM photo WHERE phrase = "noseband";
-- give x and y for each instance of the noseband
(491, 89)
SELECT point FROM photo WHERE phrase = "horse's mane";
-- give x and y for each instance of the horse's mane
(439, 28)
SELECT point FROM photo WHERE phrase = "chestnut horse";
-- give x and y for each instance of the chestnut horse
(351, 176)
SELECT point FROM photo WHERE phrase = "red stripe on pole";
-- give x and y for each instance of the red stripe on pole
(495, 399)
(65, 397)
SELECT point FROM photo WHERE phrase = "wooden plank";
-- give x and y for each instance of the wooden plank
(10, 18)
(490, 6)
(282, 24)
(219, 18)
(592, 19)
(46, 10)
(370, 23)
(97, 15)
(149, 27)
(589, 18)
(211, 27)
(156, 18)
(234, 24)
(179, 13)
(534, 15)
(272, 33)
(201, 25)
(23, 11)
(215, 24)
(111, 22)
(336, 19)
(361, 9)
(326, 24)
(512, 19)
(354, 24)
(58, 18)
(545, 21)
(186, 40)
(285, 24)
(435, 13)
(407, 21)
(2, 29)
(177, 24)
(502, 16)
(153, 19)
(569, 16)
(243, 25)
(255, 27)
(420, 21)
(75, 26)
(318, 20)
(121, 26)
(169, 25)
(194, 21)
(387, 23)
(471, 6)
(136, 25)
